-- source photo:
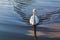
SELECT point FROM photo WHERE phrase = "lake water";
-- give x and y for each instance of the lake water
(13, 12)
(11, 16)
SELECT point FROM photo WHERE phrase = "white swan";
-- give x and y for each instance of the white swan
(34, 19)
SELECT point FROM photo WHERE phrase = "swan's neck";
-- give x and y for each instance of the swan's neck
(34, 14)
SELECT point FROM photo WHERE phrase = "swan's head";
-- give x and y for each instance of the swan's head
(34, 11)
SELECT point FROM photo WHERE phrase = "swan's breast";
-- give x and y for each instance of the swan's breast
(32, 20)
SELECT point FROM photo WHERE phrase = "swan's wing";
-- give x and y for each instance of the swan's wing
(48, 15)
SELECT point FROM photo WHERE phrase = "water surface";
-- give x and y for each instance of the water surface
(12, 11)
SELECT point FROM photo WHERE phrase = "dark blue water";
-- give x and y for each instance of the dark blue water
(11, 18)
(12, 14)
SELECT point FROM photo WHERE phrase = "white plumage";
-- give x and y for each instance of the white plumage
(34, 19)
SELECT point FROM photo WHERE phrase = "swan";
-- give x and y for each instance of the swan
(34, 19)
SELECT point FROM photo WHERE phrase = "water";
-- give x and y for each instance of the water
(11, 13)
(8, 17)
